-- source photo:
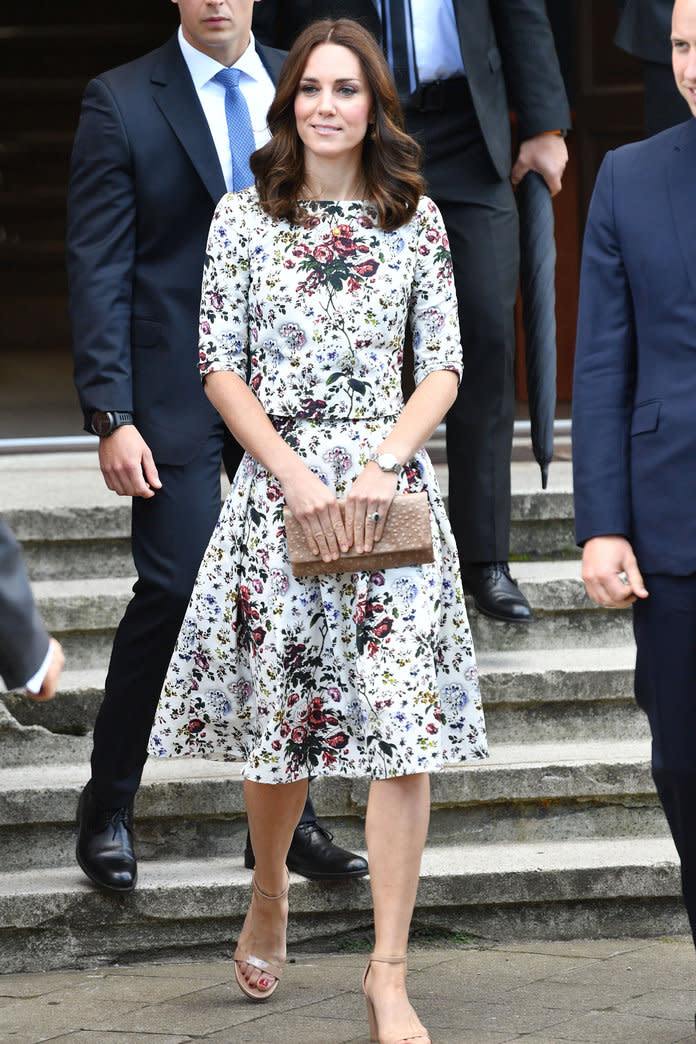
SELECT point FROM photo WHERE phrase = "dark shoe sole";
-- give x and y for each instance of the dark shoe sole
(249, 864)
(327, 877)
(100, 884)
(504, 619)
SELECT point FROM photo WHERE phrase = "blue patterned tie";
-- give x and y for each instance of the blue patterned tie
(241, 136)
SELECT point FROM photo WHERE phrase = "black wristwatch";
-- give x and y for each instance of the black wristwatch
(104, 423)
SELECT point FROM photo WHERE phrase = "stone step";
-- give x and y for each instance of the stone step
(557, 890)
(70, 542)
(563, 614)
(533, 793)
(543, 695)
(84, 615)
(560, 694)
(34, 745)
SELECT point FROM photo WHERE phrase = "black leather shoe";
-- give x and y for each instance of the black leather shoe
(105, 844)
(313, 854)
(495, 592)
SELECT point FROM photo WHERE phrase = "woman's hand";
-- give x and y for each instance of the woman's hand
(371, 494)
(315, 506)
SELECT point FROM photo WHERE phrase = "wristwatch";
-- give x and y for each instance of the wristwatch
(387, 462)
(104, 423)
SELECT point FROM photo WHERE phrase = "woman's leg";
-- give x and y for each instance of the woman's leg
(273, 811)
(398, 811)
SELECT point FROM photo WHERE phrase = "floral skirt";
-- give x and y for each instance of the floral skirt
(350, 674)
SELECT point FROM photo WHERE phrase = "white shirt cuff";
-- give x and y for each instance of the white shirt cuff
(36, 681)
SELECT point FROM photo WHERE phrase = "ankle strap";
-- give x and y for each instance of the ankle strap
(388, 960)
(264, 895)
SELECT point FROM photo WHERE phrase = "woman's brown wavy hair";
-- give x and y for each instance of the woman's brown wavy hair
(390, 158)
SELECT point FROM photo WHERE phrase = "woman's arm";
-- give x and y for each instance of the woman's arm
(437, 367)
(309, 499)
(373, 490)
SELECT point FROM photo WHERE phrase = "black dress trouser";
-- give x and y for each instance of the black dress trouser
(665, 685)
(480, 215)
(170, 533)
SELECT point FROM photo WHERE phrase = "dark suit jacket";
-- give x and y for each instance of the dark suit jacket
(644, 29)
(145, 178)
(23, 638)
(508, 52)
(634, 400)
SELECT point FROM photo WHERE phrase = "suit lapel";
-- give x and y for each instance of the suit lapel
(178, 102)
(176, 97)
(682, 163)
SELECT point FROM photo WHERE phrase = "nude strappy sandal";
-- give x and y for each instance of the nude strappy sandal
(375, 1037)
(243, 957)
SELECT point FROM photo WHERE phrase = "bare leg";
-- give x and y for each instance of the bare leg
(396, 827)
(273, 811)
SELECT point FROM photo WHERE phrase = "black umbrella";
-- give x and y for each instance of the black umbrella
(537, 285)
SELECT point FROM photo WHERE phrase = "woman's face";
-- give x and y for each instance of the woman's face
(333, 104)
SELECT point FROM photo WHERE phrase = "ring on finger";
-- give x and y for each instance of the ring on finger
(374, 517)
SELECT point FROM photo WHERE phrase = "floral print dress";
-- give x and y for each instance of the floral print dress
(352, 673)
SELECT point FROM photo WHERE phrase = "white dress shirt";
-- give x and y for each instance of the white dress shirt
(436, 40)
(255, 84)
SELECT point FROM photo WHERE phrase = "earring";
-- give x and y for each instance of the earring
(373, 132)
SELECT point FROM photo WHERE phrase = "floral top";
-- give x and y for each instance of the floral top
(296, 333)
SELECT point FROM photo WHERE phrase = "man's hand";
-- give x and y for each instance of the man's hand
(127, 464)
(50, 682)
(547, 155)
(610, 571)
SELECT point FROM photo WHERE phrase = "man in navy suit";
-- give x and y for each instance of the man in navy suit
(153, 154)
(634, 435)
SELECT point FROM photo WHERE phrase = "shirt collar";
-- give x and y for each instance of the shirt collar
(203, 68)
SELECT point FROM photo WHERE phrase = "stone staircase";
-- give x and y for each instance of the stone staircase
(558, 835)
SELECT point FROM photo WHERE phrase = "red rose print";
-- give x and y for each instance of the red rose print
(367, 268)
(382, 629)
(324, 254)
(299, 734)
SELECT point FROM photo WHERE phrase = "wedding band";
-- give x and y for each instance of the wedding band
(374, 517)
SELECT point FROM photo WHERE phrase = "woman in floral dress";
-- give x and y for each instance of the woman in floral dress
(304, 310)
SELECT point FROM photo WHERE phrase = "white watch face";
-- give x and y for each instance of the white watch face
(388, 462)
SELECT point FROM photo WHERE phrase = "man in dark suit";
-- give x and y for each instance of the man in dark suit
(159, 141)
(634, 437)
(644, 28)
(465, 63)
(28, 657)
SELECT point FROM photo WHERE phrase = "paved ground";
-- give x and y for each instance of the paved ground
(610, 991)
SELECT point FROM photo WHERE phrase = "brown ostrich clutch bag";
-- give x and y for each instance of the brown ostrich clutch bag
(406, 540)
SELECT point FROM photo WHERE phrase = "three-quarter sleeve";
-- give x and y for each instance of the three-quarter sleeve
(224, 328)
(433, 305)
